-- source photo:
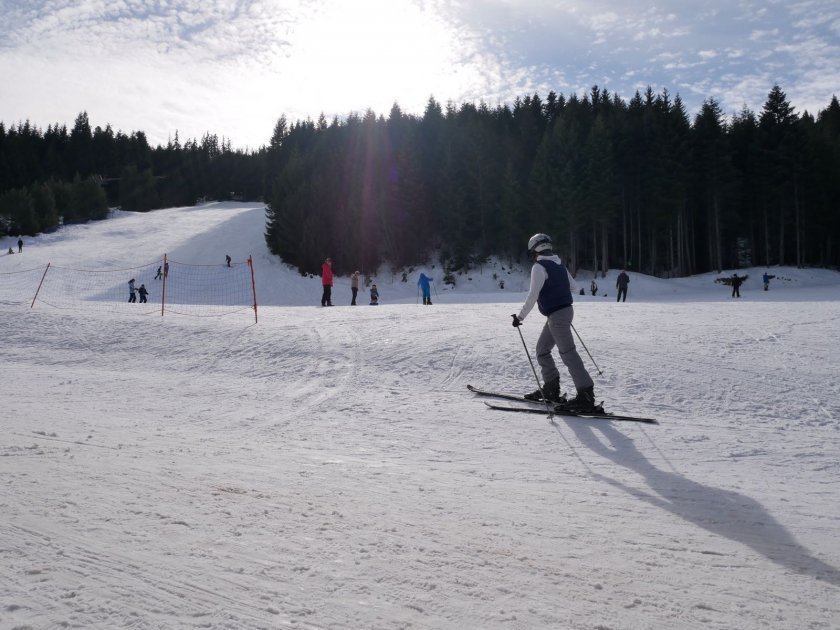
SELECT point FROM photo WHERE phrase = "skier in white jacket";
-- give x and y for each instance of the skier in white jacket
(552, 287)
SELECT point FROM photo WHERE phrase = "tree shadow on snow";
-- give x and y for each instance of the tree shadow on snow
(722, 512)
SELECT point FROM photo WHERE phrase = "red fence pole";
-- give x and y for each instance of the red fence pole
(253, 287)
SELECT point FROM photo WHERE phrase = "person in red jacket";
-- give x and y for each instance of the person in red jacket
(327, 282)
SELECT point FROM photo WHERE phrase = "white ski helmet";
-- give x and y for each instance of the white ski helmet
(539, 243)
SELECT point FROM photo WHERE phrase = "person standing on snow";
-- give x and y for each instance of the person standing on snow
(143, 293)
(737, 281)
(551, 290)
(425, 286)
(354, 286)
(132, 296)
(621, 284)
(374, 295)
(326, 282)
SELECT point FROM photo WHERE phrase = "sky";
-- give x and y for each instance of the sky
(328, 468)
(233, 67)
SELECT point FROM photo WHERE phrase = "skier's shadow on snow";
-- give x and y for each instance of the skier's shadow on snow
(722, 512)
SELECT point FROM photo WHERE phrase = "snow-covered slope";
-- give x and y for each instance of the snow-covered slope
(203, 235)
(326, 468)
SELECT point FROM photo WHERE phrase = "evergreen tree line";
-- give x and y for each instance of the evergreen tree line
(54, 176)
(617, 184)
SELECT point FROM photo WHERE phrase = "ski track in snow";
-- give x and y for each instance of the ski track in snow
(327, 468)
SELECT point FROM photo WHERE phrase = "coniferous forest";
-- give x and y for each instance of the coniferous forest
(637, 184)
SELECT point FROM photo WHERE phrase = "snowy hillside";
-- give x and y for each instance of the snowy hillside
(203, 235)
(327, 468)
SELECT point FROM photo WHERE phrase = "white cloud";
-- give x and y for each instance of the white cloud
(764, 35)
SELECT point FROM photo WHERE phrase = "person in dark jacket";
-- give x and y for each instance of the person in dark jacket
(326, 282)
(552, 287)
(20, 245)
(132, 292)
(621, 284)
(737, 281)
(354, 287)
(143, 293)
(374, 295)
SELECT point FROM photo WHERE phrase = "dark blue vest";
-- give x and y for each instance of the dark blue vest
(556, 292)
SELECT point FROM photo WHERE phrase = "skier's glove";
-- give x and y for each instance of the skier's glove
(516, 321)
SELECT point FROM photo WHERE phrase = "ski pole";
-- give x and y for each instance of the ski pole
(533, 369)
(600, 372)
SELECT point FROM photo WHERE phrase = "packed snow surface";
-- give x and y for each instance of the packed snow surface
(327, 468)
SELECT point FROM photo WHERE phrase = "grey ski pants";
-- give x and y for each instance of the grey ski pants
(558, 332)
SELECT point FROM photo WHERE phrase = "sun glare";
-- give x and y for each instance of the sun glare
(371, 54)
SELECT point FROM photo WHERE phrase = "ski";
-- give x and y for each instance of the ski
(559, 411)
(504, 396)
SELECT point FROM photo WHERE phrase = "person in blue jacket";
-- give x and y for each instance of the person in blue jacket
(551, 290)
(766, 278)
(425, 286)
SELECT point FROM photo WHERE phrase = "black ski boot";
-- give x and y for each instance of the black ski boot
(551, 389)
(584, 401)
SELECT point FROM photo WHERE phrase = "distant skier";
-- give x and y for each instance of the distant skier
(354, 287)
(159, 274)
(621, 284)
(425, 286)
(767, 278)
(736, 282)
(143, 293)
(326, 282)
(20, 245)
(593, 287)
(132, 292)
(551, 290)
(227, 260)
(374, 295)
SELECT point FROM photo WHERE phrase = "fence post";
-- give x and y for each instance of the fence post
(253, 287)
(163, 290)
(39, 286)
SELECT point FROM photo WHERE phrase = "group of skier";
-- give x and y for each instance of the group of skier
(133, 292)
(327, 285)
(737, 281)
